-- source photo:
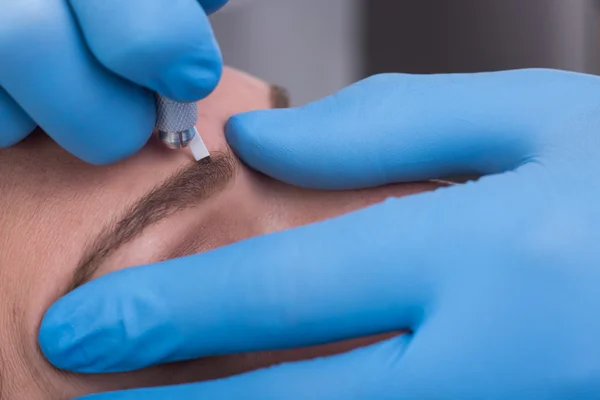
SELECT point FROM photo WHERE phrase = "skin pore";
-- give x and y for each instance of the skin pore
(57, 216)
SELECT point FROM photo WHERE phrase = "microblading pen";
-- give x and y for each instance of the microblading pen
(176, 125)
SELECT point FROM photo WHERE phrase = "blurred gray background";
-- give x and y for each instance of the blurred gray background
(316, 47)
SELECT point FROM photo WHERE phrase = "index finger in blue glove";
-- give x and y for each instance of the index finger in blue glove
(398, 127)
(164, 45)
(49, 72)
(305, 286)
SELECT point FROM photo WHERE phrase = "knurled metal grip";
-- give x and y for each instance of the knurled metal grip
(175, 121)
(172, 116)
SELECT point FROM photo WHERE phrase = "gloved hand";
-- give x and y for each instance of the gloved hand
(81, 69)
(499, 280)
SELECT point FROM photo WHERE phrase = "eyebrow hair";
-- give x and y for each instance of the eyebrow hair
(183, 190)
(280, 97)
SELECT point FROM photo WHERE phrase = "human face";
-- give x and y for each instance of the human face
(59, 219)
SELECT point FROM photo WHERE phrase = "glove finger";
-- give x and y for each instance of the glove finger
(361, 374)
(15, 122)
(93, 114)
(396, 128)
(164, 45)
(360, 274)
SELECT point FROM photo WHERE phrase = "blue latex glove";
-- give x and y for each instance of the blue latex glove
(81, 69)
(499, 280)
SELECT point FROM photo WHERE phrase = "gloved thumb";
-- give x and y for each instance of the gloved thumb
(396, 128)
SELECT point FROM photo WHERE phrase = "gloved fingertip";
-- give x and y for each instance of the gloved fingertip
(102, 146)
(241, 132)
(192, 80)
(168, 48)
(55, 338)
(116, 150)
(15, 124)
(261, 126)
(71, 338)
(13, 132)
(268, 141)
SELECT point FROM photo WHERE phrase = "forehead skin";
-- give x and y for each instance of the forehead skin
(51, 204)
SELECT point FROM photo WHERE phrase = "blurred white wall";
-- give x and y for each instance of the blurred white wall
(574, 38)
(311, 47)
(316, 47)
(431, 36)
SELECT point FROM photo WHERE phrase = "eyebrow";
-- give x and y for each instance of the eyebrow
(185, 189)
(280, 97)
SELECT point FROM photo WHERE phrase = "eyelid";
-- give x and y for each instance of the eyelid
(192, 244)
